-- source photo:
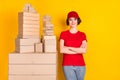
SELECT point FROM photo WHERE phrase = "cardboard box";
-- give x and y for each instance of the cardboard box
(49, 37)
(25, 42)
(48, 25)
(48, 31)
(32, 10)
(50, 42)
(46, 18)
(21, 17)
(33, 58)
(38, 47)
(28, 36)
(28, 14)
(50, 49)
(48, 34)
(29, 33)
(28, 22)
(32, 77)
(29, 8)
(22, 26)
(28, 29)
(25, 49)
(32, 69)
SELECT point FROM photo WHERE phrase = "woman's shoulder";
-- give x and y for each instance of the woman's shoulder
(65, 32)
(81, 32)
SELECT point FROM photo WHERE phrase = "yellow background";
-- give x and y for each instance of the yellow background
(100, 22)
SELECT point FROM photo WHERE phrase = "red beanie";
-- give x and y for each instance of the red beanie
(72, 14)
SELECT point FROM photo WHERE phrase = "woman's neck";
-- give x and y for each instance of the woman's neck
(73, 30)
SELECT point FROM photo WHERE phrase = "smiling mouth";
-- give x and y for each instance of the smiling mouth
(73, 24)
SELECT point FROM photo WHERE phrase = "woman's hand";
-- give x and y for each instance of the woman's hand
(81, 49)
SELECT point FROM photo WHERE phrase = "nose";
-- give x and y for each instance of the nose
(73, 21)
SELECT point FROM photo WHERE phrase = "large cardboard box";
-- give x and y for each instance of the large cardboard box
(24, 42)
(32, 77)
(49, 43)
(32, 58)
(25, 49)
(32, 69)
(32, 66)
(50, 49)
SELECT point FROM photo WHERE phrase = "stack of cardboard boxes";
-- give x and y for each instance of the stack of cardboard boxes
(28, 30)
(48, 26)
(49, 40)
(31, 60)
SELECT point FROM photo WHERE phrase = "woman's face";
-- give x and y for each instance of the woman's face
(72, 22)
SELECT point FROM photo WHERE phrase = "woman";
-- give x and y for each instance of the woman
(73, 44)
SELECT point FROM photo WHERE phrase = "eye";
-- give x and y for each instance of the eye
(70, 19)
(74, 19)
